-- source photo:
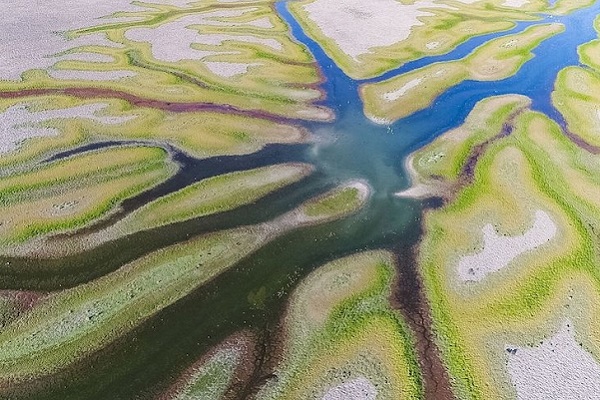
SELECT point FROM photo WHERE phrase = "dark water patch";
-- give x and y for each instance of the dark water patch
(101, 145)
(433, 203)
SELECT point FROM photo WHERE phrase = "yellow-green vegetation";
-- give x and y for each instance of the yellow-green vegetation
(211, 196)
(69, 194)
(201, 134)
(212, 376)
(214, 195)
(535, 169)
(576, 93)
(340, 328)
(343, 200)
(225, 54)
(349, 30)
(436, 168)
(576, 97)
(76, 322)
(499, 58)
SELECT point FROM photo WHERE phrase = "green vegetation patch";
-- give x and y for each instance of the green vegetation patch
(536, 168)
(201, 134)
(576, 93)
(214, 195)
(340, 328)
(446, 157)
(70, 193)
(210, 377)
(343, 200)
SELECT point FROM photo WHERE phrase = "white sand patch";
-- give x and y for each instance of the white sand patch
(396, 94)
(357, 25)
(88, 57)
(559, 368)
(498, 251)
(217, 40)
(380, 120)
(432, 45)
(18, 123)
(515, 3)
(31, 31)
(227, 69)
(357, 389)
(423, 190)
(72, 74)
(177, 3)
(264, 22)
(315, 113)
(510, 44)
(211, 18)
(418, 191)
(172, 42)
(92, 39)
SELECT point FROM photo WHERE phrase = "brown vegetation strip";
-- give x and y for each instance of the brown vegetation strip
(410, 299)
(267, 352)
(580, 142)
(90, 93)
(467, 174)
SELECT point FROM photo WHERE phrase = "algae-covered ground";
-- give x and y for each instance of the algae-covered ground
(313, 199)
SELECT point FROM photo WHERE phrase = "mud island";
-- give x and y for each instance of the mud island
(312, 199)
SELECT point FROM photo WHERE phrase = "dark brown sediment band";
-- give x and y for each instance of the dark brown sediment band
(410, 299)
(177, 107)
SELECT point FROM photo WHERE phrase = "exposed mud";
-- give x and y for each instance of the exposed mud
(410, 298)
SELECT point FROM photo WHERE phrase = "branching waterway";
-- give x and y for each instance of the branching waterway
(352, 147)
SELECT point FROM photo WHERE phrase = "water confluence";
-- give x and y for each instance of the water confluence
(354, 147)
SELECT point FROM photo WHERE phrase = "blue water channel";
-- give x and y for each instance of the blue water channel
(354, 147)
